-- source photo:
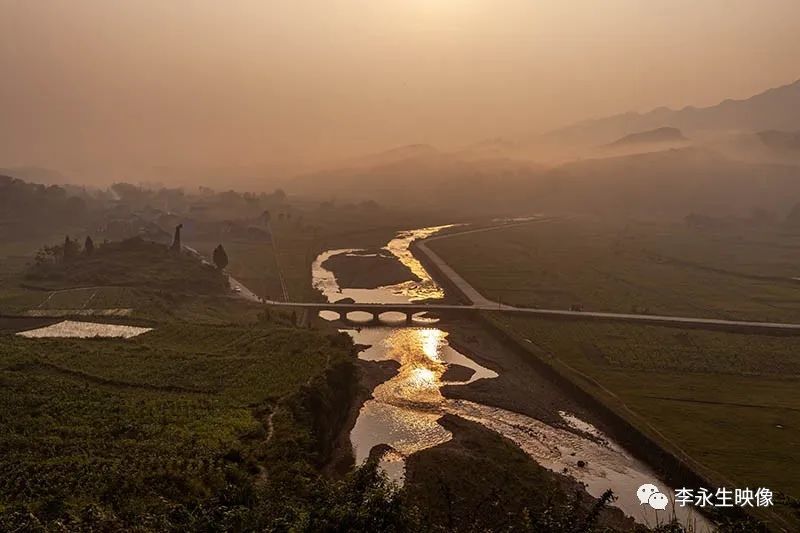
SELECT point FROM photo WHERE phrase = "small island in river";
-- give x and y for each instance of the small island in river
(368, 269)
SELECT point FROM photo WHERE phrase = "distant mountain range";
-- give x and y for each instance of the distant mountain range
(770, 146)
(781, 141)
(728, 159)
(658, 135)
(774, 109)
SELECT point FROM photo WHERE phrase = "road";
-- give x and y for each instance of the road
(478, 302)
(455, 278)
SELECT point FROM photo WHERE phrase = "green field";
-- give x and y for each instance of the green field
(635, 267)
(260, 264)
(174, 418)
(219, 419)
(729, 400)
(223, 417)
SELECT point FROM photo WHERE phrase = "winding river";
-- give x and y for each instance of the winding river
(404, 410)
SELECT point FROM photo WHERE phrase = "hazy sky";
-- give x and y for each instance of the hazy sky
(123, 84)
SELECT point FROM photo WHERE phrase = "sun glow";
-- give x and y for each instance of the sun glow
(422, 377)
(431, 341)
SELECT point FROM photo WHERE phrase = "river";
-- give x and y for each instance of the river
(404, 410)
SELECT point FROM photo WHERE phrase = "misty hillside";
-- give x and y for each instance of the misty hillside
(774, 109)
(669, 183)
(781, 141)
(770, 146)
(638, 164)
(395, 155)
(658, 135)
(421, 174)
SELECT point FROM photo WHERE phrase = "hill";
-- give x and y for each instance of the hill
(634, 178)
(422, 176)
(130, 263)
(670, 183)
(774, 109)
(770, 146)
(786, 142)
(658, 135)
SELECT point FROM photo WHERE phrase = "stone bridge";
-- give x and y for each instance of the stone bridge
(375, 309)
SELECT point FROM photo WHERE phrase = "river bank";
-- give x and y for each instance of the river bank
(370, 375)
(481, 481)
(462, 371)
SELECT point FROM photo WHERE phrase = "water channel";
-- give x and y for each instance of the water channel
(405, 409)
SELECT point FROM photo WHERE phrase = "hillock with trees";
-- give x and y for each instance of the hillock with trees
(133, 262)
(30, 209)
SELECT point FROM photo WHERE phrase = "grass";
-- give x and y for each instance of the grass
(130, 263)
(151, 426)
(624, 267)
(504, 491)
(728, 400)
(297, 241)
(142, 276)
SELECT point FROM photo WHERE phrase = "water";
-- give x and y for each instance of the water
(405, 410)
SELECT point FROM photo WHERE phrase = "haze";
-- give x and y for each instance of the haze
(116, 90)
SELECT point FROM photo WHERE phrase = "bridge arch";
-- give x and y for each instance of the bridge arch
(357, 316)
(396, 317)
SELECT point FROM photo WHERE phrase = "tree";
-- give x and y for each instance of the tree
(88, 246)
(220, 257)
(176, 240)
(70, 249)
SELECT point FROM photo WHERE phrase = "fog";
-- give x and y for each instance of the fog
(205, 90)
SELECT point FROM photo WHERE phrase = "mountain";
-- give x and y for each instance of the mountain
(770, 146)
(658, 135)
(744, 155)
(394, 155)
(669, 183)
(422, 175)
(774, 109)
(496, 148)
(781, 141)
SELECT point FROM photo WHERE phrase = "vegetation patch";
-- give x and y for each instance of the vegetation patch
(741, 272)
(368, 270)
(130, 263)
(171, 424)
(504, 490)
(728, 400)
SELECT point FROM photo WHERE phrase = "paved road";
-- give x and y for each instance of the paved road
(481, 303)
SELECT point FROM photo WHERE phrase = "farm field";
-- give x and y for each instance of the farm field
(141, 280)
(728, 400)
(733, 273)
(177, 417)
(297, 241)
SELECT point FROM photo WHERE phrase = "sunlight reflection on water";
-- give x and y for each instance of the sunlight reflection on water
(404, 410)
